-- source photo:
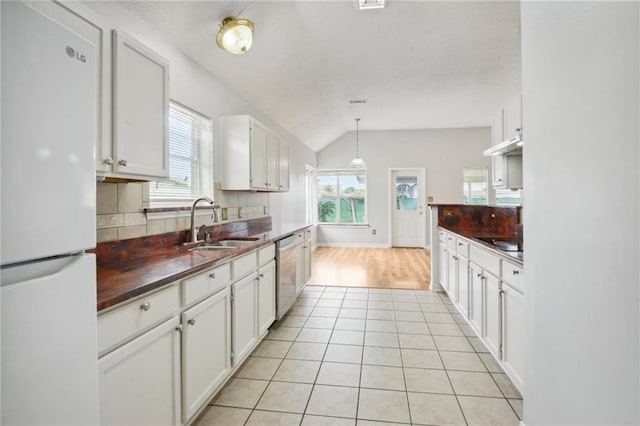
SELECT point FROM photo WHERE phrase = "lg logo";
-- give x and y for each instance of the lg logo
(71, 52)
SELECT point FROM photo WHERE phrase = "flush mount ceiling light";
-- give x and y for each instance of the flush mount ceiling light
(370, 4)
(357, 163)
(235, 35)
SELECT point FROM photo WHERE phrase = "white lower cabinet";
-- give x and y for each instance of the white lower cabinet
(266, 297)
(476, 298)
(452, 275)
(492, 309)
(206, 350)
(244, 321)
(444, 263)
(513, 334)
(463, 285)
(140, 381)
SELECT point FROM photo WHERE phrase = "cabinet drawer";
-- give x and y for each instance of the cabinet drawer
(135, 317)
(442, 236)
(300, 237)
(462, 247)
(243, 265)
(266, 254)
(514, 275)
(206, 283)
(485, 259)
(307, 234)
(451, 241)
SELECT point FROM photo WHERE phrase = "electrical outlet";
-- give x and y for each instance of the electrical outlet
(429, 199)
(224, 213)
(373, 232)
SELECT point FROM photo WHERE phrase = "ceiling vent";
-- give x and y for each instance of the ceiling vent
(357, 101)
(370, 4)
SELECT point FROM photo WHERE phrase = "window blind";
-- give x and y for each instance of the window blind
(190, 158)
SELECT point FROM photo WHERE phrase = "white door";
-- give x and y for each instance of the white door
(407, 208)
(266, 297)
(244, 321)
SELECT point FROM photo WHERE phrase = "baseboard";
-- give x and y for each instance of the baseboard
(372, 245)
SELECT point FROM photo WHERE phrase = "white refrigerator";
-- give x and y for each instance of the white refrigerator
(49, 371)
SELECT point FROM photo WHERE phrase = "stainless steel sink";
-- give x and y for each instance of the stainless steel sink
(210, 247)
(226, 244)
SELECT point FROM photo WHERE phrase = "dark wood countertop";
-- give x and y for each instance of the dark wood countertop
(134, 271)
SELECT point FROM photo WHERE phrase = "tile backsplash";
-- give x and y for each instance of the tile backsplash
(121, 215)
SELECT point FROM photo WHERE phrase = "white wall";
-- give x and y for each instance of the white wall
(442, 152)
(580, 91)
(193, 86)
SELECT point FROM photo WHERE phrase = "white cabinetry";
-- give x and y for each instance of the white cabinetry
(507, 124)
(244, 317)
(251, 156)
(463, 277)
(266, 297)
(476, 296)
(443, 278)
(303, 259)
(206, 350)
(513, 117)
(140, 379)
(141, 109)
(513, 322)
(492, 309)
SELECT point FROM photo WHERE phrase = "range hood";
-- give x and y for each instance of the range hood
(511, 146)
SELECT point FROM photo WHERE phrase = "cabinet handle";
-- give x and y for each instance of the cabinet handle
(499, 180)
(515, 272)
(518, 130)
(212, 275)
(123, 163)
(478, 275)
(145, 306)
(179, 327)
(108, 161)
(191, 322)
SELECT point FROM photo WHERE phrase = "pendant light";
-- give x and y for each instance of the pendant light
(357, 162)
(235, 35)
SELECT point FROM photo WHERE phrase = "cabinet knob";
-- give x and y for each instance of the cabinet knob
(108, 161)
(478, 275)
(261, 275)
(212, 275)
(145, 306)
(515, 272)
(123, 163)
(191, 322)
(499, 180)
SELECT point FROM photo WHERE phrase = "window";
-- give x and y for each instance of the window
(508, 197)
(475, 188)
(342, 196)
(190, 159)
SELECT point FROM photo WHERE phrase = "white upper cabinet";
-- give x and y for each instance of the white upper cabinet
(141, 108)
(252, 156)
(283, 166)
(513, 117)
(133, 101)
(497, 127)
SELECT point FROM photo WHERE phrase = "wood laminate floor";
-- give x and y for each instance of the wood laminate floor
(401, 268)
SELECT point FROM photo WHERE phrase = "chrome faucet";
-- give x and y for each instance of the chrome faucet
(215, 207)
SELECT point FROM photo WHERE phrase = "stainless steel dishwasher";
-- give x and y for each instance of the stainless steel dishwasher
(286, 267)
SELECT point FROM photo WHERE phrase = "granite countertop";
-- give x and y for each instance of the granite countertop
(136, 270)
(514, 256)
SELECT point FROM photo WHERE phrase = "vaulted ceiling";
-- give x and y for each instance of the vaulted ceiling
(419, 64)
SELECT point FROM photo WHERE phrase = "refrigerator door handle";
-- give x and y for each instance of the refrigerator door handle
(30, 271)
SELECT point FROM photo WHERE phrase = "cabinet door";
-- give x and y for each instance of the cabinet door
(283, 166)
(244, 321)
(258, 156)
(452, 276)
(498, 171)
(141, 109)
(513, 117)
(272, 161)
(266, 297)
(206, 350)
(444, 266)
(513, 334)
(299, 268)
(497, 127)
(492, 314)
(463, 286)
(476, 302)
(307, 261)
(140, 381)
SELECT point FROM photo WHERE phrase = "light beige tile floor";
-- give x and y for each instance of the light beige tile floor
(357, 356)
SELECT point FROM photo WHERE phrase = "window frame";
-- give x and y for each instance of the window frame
(203, 165)
(337, 173)
(466, 185)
